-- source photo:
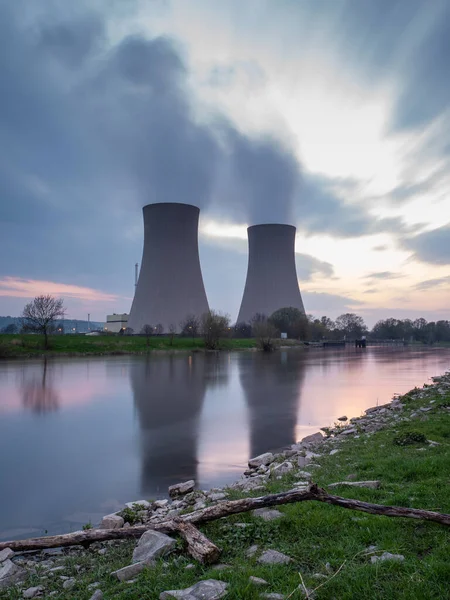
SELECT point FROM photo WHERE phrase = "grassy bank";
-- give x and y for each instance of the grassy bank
(331, 547)
(12, 346)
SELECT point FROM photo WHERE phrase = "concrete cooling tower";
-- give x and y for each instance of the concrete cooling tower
(271, 276)
(170, 284)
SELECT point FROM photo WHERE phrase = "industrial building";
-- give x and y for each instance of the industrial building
(170, 284)
(271, 276)
(115, 323)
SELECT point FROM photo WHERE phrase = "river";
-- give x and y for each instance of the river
(81, 436)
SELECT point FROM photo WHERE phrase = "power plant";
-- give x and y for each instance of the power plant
(170, 284)
(271, 276)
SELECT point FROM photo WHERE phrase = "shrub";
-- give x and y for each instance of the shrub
(410, 438)
(213, 327)
(265, 333)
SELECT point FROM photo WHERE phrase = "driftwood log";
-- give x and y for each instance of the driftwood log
(198, 545)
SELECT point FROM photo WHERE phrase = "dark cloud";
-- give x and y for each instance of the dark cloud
(430, 246)
(308, 266)
(383, 275)
(431, 284)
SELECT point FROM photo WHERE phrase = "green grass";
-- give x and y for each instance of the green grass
(315, 534)
(12, 346)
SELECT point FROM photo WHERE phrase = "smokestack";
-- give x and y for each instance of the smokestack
(170, 284)
(271, 276)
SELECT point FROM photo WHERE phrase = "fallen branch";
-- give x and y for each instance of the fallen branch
(224, 509)
(199, 546)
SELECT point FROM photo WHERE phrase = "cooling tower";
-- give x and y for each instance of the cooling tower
(271, 276)
(170, 284)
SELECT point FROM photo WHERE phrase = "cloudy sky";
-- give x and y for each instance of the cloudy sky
(330, 115)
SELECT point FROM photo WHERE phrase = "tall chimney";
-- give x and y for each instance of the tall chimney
(170, 284)
(271, 276)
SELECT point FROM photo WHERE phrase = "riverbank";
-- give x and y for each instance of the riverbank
(403, 447)
(32, 346)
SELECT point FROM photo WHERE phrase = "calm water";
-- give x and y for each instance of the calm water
(79, 437)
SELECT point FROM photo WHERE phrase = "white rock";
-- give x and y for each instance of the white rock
(5, 554)
(348, 431)
(11, 573)
(315, 438)
(160, 503)
(305, 474)
(272, 596)
(151, 546)
(69, 583)
(128, 572)
(97, 595)
(251, 551)
(374, 485)
(209, 589)
(387, 556)
(257, 580)
(32, 592)
(112, 522)
(333, 452)
(302, 461)
(216, 497)
(137, 504)
(262, 459)
(267, 514)
(273, 557)
(282, 469)
(179, 489)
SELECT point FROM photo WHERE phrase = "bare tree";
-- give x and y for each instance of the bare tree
(159, 329)
(147, 330)
(190, 326)
(266, 334)
(39, 316)
(172, 332)
(213, 327)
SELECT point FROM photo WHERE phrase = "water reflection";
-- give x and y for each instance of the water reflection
(272, 386)
(37, 391)
(168, 395)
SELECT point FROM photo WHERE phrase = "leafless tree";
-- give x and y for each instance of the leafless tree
(190, 326)
(266, 335)
(214, 326)
(172, 332)
(159, 329)
(147, 330)
(39, 316)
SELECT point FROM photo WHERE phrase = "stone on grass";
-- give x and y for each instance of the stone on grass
(251, 551)
(112, 522)
(304, 474)
(333, 452)
(348, 431)
(315, 438)
(189, 567)
(128, 572)
(272, 596)
(11, 573)
(209, 589)
(257, 580)
(282, 469)
(32, 592)
(160, 503)
(221, 567)
(151, 546)
(97, 595)
(273, 557)
(387, 556)
(180, 489)
(5, 554)
(216, 497)
(262, 459)
(373, 485)
(247, 485)
(267, 514)
(302, 461)
(69, 583)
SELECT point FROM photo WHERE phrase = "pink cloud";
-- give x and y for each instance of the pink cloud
(17, 287)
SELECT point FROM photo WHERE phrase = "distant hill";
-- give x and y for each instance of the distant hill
(68, 325)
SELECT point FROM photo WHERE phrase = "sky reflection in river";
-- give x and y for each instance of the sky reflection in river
(78, 437)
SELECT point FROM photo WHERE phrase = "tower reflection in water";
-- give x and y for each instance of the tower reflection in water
(272, 386)
(168, 395)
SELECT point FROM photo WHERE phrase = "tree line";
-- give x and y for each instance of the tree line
(40, 315)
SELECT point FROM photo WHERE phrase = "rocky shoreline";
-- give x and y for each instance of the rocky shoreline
(301, 460)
